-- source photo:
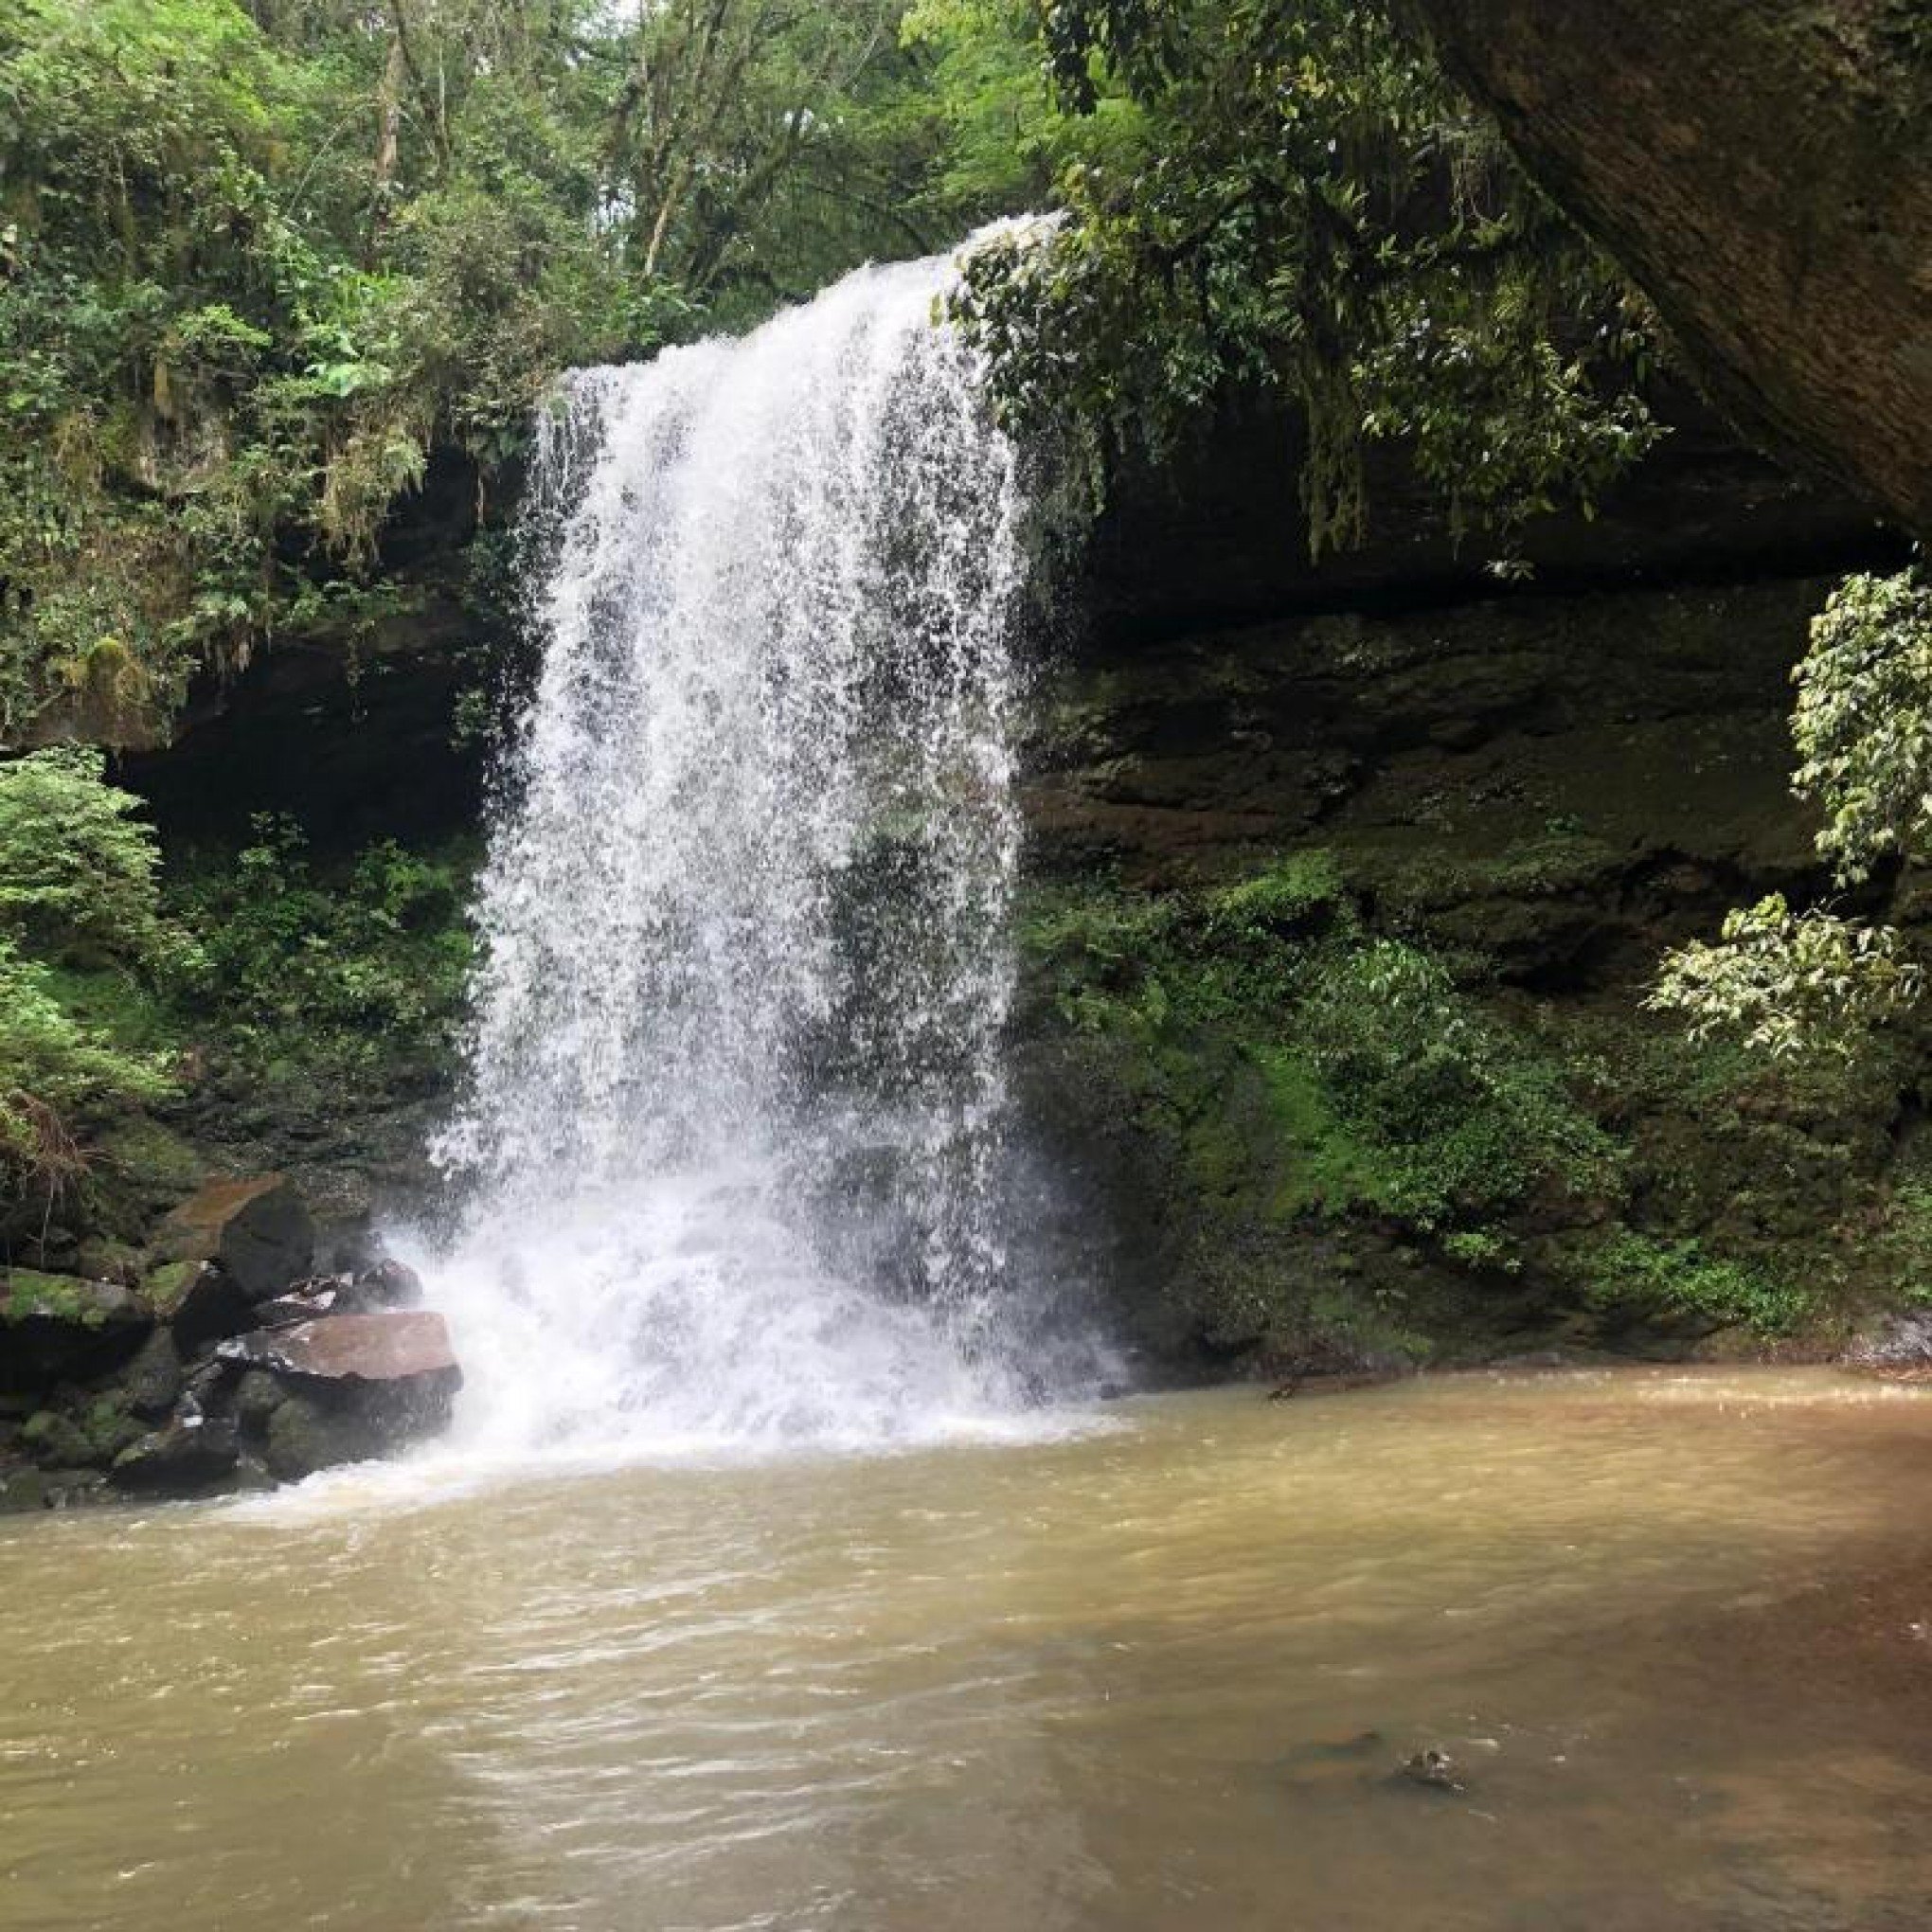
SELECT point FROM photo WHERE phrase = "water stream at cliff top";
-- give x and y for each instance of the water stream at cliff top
(736, 1138)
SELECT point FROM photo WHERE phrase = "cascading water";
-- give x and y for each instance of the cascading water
(736, 1132)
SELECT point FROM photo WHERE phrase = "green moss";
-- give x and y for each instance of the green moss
(1305, 1087)
(64, 1297)
(166, 1285)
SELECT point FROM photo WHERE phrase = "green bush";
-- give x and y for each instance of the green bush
(57, 1077)
(77, 869)
(335, 975)
(79, 930)
(1645, 1276)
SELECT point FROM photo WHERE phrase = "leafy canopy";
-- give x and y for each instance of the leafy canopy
(1295, 199)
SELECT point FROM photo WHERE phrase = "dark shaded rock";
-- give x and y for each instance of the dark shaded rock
(257, 1395)
(56, 1441)
(56, 1326)
(152, 1380)
(201, 1302)
(1212, 533)
(389, 1283)
(64, 1488)
(307, 1433)
(255, 1229)
(192, 1452)
(23, 1488)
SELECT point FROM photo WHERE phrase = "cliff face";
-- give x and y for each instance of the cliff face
(1345, 886)
(1763, 169)
(1343, 912)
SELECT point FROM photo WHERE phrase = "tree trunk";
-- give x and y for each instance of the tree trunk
(1763, 170)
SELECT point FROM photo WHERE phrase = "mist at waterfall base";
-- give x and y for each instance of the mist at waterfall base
(736, 1151)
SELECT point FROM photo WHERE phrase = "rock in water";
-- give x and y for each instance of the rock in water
(351, 1386)
(153, 1379)
(201, 1302)
(194, 1452)
(255, 1230)
(1433, 1770)
(390, 1349)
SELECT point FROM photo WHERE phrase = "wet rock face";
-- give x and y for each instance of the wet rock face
(257, 1230)
(1897, 1347)
(192, 1452)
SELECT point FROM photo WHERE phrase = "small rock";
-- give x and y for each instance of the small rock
(201, 1302)
(389, 1284)
(153, 1380)
(56, 1441)
(192, 1452)
(256, 1229)
(306, 1301)
(1433, 1769)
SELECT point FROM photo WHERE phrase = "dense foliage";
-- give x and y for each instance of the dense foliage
(77, 895)
(1293, 198)
(259, 267)
(1818, 979)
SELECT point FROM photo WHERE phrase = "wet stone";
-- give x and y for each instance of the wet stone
(193, 1451)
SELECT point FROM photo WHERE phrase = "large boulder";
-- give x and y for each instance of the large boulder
(395, 1350)
(1764, 171)
(342, 1388)
(255, 1229)
(56, 1327)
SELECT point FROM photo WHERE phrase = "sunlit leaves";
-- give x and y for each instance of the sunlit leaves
(1790, 983)
(1864, 721)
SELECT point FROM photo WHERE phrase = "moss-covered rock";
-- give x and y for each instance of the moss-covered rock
(56, 1327)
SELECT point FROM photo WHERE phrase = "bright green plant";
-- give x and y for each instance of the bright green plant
(1790, 983)
(58, 1077)
(77, 866)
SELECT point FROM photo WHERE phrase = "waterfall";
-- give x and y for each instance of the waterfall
(737, 1116)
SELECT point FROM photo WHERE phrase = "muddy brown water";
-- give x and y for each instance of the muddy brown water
(1673, 1630)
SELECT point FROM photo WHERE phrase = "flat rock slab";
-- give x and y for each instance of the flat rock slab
(399, 1345)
